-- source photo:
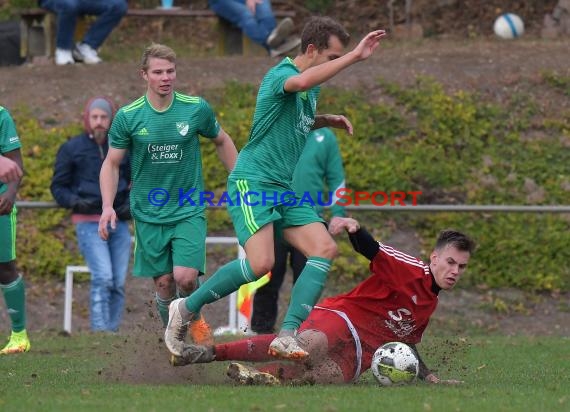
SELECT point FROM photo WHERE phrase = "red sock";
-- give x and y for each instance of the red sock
(253, 349)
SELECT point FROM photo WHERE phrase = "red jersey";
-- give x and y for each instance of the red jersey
(393, 304)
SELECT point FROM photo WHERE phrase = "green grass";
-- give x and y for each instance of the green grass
(92, 372)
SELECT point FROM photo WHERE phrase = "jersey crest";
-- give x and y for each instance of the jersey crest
(182, 128)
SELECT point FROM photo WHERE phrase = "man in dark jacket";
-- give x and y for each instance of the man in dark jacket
(75, 185)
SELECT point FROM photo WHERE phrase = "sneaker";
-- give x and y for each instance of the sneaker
(176, 329)
(286, 347)
(280, 32)
(200, 332)
(86, 54)
(194, 354)
(18, 343)
(63, 57)
(287, 47)
(245, 375)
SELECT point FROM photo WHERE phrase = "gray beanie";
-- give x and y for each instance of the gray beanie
(100, 103)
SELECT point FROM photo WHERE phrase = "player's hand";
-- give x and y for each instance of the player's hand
(338, 121)
(368, 44)
(9, 170)
(108, 217)
(431, 378)
(6, 205)
(338, 224)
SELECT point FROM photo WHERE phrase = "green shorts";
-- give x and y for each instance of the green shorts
(158, 248)
(262, 203)
(8, 236)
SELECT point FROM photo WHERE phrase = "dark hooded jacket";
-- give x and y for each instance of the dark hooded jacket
(75, 182)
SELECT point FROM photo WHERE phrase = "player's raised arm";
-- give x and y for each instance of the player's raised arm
(316, 74)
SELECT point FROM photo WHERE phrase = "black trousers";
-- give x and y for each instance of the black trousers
(266, 298)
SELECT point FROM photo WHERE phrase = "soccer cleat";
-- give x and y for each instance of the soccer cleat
(200, 332)
(287, 347)
(176, 329)
(280, 32)
(18, 343)
(245, 375)
(194, 354)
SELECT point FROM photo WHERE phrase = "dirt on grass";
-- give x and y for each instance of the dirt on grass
(495, 69)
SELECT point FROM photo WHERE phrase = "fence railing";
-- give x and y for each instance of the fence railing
(24, 204)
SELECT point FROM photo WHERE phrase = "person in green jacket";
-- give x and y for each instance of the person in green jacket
(319, 174)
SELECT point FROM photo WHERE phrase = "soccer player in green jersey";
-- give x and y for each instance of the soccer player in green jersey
(285, 113)
(161, 132)
(11, 283)
(319, 168)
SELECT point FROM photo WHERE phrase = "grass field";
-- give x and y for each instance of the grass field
(83, 372)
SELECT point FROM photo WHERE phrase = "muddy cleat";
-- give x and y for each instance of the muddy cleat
(245, 375)
(200, 332)
(194, 354)
(287, 347)
(176, 329)
(18, 343)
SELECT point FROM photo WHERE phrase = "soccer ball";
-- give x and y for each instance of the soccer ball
(394, 363)
(508, 26)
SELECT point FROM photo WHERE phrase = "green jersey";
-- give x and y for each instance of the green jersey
(281, 123)
(9, 139)
(319, 169)
(166, 163)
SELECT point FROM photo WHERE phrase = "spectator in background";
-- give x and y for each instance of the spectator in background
(319, 169)
(109, 13)
(256, 19)
(75, 185)
(11, 283)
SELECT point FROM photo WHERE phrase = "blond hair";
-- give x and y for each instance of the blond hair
(157, 51)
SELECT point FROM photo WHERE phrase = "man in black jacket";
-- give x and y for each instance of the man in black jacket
(75, 185)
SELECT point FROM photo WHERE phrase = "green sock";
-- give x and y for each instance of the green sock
(162, 306)
(15, 297)
(224, 281)
(306, 291)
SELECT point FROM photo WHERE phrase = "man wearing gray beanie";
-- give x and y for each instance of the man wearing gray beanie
(75, 185)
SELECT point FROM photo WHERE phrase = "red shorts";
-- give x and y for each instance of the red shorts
(342, 348)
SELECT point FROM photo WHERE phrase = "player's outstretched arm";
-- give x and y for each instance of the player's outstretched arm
(317, 75)
(428, 376)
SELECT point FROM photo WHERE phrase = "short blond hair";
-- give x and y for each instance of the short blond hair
(158, 51)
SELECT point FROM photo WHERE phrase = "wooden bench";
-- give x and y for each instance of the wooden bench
(38, 28)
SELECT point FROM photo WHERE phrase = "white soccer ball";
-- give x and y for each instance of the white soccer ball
(508, 26)
(395, 363)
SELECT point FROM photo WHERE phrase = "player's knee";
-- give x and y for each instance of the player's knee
(328, 250)
(315, 342)
(261, 265)
(8, 273)
(186, 278)
(165, 286)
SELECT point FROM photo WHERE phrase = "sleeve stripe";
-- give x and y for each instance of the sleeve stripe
(402, 257)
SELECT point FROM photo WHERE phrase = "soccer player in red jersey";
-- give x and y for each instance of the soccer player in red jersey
(342, 333)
